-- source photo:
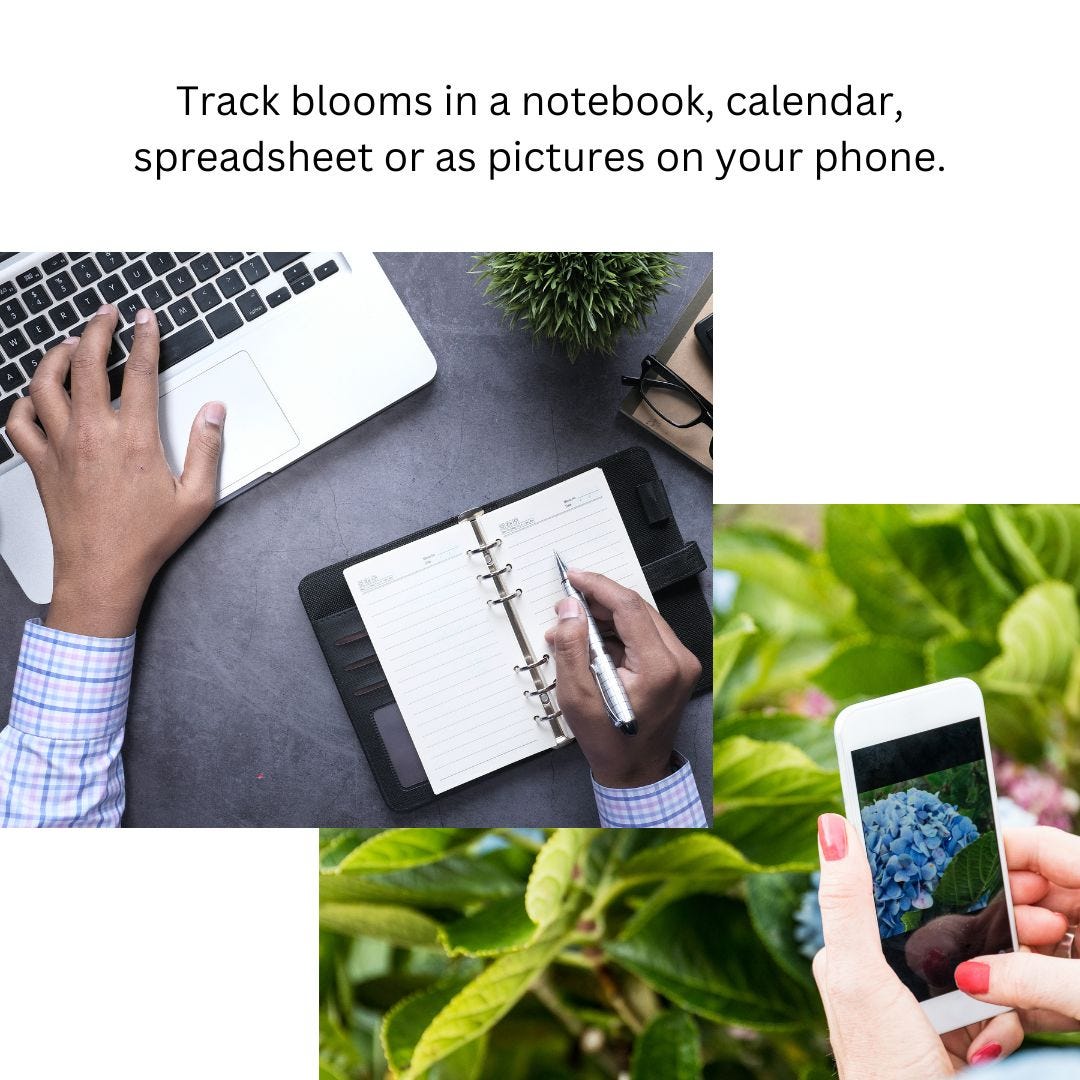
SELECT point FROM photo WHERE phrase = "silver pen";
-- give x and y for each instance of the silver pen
(607, 679)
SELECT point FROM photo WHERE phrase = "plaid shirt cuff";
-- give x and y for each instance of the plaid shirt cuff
(672, 803)
(60, 752)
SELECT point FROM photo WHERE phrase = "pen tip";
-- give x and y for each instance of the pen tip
(559, 563)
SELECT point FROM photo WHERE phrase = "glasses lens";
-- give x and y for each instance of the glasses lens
(674, 404)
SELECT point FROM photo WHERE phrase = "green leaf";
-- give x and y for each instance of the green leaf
(553, 873)
(386, 922)
(694, 855)
(1039, 636)
(751, 773)
(401, 849)
(454, 882)
(484, 1001)
(973, 871)
(668, 1049)
(404, 1024)
(702, 953)
(813, 736)
(726, 646)
(772, 900)
(871, 668)
(947, 658)
(1042, 542)
(497, 928)
(912, 919)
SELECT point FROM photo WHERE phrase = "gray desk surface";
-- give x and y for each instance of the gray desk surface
(234, 720)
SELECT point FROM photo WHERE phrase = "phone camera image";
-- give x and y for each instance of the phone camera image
(933, 852)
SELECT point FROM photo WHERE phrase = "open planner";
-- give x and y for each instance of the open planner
(437, 641)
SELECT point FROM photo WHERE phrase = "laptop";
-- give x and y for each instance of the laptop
(300, 346)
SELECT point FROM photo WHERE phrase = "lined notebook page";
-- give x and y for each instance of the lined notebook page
(449, 656)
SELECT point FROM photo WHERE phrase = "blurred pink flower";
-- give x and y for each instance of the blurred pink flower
(810, 702)
(1040, 792)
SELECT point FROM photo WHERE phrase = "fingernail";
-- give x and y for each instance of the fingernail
(568, 608)
(105, 309)
(215, 413)
(987, 1053)
(832, 836)
(71, 341)
(973, 977)
(144, 315)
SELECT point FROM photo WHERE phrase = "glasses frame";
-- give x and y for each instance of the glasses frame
(669, 380)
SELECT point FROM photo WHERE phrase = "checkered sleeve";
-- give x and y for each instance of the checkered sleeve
(672, 803)
(60, 752)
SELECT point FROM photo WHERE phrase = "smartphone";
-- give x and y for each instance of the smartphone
(918, 777)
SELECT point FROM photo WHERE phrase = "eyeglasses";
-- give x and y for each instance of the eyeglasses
(670, 396)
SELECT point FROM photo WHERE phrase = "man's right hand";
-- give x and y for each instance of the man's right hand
(657, 670)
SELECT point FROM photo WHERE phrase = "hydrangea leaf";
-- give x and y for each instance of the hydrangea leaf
(813, 736)
(912, 919)
(1039, 636)
(453, 882)
(747, 772)
(974, 871)
(702, 954)
(697, 855)
(772, 900)
(871, 668)
(499, 927)
(385, 922)
(726, 646)
(552, 873)
(1042, 542)
(670, 1047)
(401, 849)
(481, 1003)
(949, 657)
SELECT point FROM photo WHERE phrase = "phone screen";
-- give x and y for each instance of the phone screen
(931, 839)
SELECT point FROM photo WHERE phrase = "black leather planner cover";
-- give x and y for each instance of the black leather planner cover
(671, 568)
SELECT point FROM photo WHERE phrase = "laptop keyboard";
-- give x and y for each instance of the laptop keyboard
(198, 297)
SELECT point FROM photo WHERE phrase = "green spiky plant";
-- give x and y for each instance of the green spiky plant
(580, 300)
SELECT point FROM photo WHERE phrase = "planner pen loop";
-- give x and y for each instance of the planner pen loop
(542, 691)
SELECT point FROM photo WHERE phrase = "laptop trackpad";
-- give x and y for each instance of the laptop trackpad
(256, 431)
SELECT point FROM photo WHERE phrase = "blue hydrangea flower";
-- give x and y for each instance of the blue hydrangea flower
(911, 836)
(808, 933)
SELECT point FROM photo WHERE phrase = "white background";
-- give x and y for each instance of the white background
(877, 338)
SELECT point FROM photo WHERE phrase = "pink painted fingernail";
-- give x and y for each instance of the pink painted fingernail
(973, 977)
(568, 608)
(143, 316)
(987, 1053)
(832, 836)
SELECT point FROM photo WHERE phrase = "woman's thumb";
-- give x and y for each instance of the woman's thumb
(1023, 980)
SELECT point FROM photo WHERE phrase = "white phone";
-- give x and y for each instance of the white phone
(918, 777)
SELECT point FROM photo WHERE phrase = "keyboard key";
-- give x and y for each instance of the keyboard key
(254, 270)
(30, 362)
(225, 320)
(6, 453)
(299, 270)
(57, 262)
(136, 275)
(11, 378)
(52, 344)
(324, 271)
(156, 295)
(278, 259)
(77, 254)
(39, 329)
(164, 326)
(86, 272)
(128, 337)
(116, 352)
(7, 290)
(251, 305)
(302, 284)
(184, 256)
(88, 302)
(183, 311)
(228, 258)
(64, 316)
(5, 408)
(205, 267)
(129, 306)
(161, 262)
(12, 312)
(37, 299)
(207, 297)
(61, 285)
(278, 297)
(184, 343)
(134, 254)
(230, 284)
(113, 290)
(14, 343)
(181, 281)
(109, 260)
(28, 277)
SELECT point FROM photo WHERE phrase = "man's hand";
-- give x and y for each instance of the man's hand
(656, 669)
(115, 510)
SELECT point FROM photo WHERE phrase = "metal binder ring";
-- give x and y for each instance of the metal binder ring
(484, 547)
(534, 665)
(542, 691)
(548, 719)
(502, 599)
(494, 573)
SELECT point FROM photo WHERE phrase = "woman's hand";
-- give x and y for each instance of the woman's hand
(876, 1027)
